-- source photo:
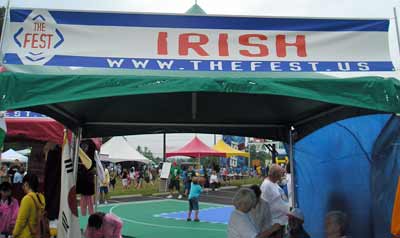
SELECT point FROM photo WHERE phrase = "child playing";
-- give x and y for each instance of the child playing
(195, 191)
(101, 225)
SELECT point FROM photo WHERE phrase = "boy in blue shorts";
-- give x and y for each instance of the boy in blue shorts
(195, 191)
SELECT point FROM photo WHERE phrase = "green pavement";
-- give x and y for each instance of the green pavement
(141, 221)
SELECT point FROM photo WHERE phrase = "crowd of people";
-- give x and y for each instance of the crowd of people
(21, 220)
(28, 219)
(185, 176)
(265, 212)
(260, 211)
(133, 177)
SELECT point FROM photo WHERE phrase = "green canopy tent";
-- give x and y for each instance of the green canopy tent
(240, 104)
(95, 100)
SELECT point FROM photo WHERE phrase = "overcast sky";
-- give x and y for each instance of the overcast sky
(309, 8)
(321, 8)
(174, 141)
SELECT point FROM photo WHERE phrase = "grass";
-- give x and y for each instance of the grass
(240, 182)
(149, 189)
(146, 190)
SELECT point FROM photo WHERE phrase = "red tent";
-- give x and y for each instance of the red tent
(195, 149)
(31, 126)
(25, 125)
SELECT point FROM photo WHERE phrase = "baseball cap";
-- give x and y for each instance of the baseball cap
(297, 213)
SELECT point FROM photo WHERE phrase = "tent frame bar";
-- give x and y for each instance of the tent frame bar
(194, 106)
(291, 159)
(397, 27)
(63, 113)
(183, 124)
(316, 116)
(4, 26)
(76, 140)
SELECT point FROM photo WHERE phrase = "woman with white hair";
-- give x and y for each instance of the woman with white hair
(335, 224)
(241, 225)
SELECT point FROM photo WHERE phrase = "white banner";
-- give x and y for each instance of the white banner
(194, 43)
(68, 223)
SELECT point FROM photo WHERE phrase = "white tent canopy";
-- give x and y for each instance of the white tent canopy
(24, 152)
(118, 150)
(11, 156)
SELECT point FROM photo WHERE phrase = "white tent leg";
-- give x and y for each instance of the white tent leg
(76, 140)
(96, 193)
(291, 159)
(397, 28)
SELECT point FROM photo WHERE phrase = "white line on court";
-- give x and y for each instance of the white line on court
(206, 203)
(163, 226)
(215, 196)
(174, 227)
(157, 225)
(133, 202)
(163, 215)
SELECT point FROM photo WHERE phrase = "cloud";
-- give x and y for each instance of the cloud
(347, 8)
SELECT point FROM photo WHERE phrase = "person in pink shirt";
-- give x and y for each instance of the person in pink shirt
(101, 225)
(8, 209)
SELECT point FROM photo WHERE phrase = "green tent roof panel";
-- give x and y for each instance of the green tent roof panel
(237, 104)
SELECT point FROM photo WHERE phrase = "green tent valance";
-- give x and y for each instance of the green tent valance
(262, 105)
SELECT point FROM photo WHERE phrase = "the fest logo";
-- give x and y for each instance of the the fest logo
(38, 38)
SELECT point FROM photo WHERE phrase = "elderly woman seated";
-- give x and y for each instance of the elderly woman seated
(241, 225)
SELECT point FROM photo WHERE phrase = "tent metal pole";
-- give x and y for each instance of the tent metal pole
(164, 147)
(166, 124)
(397, 27)
(76, 142)
(3, 30)
(63, 113)
(291, 159)
(76, 139)
(165, 189)
(194, 106)
(96, 187)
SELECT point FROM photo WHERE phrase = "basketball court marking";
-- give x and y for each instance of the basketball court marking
(215, 196)
(157, 200)
(208, 215)
(139, 219)
(171, 227)
(113, 207)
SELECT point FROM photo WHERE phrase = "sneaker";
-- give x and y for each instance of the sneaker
(169, 196)
(189, 219)
(196, 220)
(180, 197)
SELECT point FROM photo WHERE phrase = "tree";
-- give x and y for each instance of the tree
(139, 149)
(146, 152)
(259, 155)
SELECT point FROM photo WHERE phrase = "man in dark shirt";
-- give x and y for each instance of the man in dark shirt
(296, 220)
